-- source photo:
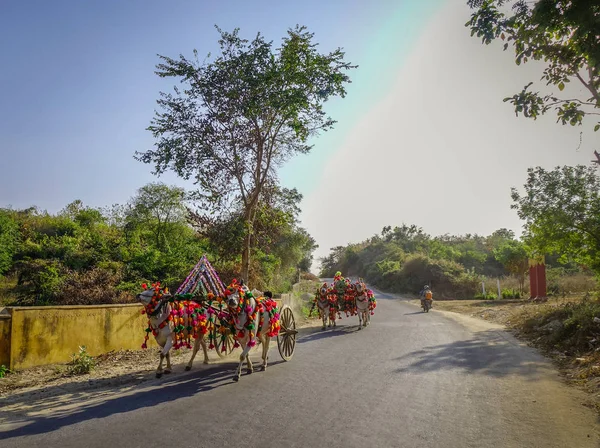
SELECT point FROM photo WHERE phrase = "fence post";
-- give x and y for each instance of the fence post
(499, 291)
(483, 287)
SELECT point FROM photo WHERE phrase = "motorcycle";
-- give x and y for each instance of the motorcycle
(426, 305)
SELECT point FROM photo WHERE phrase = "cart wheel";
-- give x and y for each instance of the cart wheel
(229, 344)
(286, 339)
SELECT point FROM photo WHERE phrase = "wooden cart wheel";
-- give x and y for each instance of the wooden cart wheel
(286, 339)
(229, 344)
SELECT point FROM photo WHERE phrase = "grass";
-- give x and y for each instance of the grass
(81, 363)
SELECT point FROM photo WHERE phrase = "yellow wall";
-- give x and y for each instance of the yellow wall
(38, 336)
(47, 335)
(5, 340)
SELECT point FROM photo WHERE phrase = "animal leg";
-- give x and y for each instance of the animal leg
(249, 366)
(265, 353)
(243, 356)
(167, 347)
(168, 369)
(324, 320)
(159, 370)
(194, 351)
(204, 349)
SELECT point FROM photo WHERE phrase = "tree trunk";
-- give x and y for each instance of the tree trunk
(245, 272)
(247, 245)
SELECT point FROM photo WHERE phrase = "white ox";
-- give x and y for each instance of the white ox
(325, 308)
(362, 304)
(241, 320)
(165, 336)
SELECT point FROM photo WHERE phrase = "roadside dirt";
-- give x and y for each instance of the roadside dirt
(31, 390)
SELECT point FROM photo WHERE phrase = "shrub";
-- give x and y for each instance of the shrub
(575, 331)
(81, 363)
(561, 282)
(3, 371)
(309, 276)
(511, 294)
(40, 281)
(447, 278)
(95, 286)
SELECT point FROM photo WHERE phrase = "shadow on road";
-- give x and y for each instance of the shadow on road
(318, 334)
(489, 354)
(172, 388)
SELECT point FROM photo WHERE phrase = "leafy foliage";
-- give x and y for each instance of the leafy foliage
(405, 258)
(9, 238)
(81, 363)
(565, 34)
(561, 210)
(280, 246)
(513, 256)
(241, 115)
(89, 256)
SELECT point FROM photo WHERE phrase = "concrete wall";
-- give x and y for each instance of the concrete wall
(5, 322)
(47, 335)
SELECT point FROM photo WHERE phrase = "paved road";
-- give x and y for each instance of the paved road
(409, 380)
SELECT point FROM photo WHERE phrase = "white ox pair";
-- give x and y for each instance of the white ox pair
(165, 336)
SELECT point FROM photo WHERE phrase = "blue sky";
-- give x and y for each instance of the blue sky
(79, 90)
(423, 136)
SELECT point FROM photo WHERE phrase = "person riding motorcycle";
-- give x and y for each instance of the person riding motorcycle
(426, 294)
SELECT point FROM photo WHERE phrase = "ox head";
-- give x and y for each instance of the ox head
(360, 286)
(234, 293)
(145, 297)
(324, 289)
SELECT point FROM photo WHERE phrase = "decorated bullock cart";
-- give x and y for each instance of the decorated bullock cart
(203, 309)
(343, 296)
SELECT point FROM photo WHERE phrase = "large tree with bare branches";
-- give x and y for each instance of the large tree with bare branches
(241, 115)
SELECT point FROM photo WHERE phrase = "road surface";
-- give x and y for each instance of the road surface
(408, 380)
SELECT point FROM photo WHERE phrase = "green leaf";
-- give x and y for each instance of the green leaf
(597, 127)
(561, 86)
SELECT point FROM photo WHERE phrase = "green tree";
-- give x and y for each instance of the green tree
(242, 115)
(561, 210)
(565, 34)
(513, 255)
(9, 240)
(280, 246)
(159, 208)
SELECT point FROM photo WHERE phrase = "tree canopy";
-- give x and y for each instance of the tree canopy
(561, 210)
(84, 255)
(564, 34)
(241, 115)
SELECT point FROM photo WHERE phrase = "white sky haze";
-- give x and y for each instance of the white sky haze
(441, 150)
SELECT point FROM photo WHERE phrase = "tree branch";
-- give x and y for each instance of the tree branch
(592, 90)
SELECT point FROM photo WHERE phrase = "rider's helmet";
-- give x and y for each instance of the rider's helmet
(426, 287)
